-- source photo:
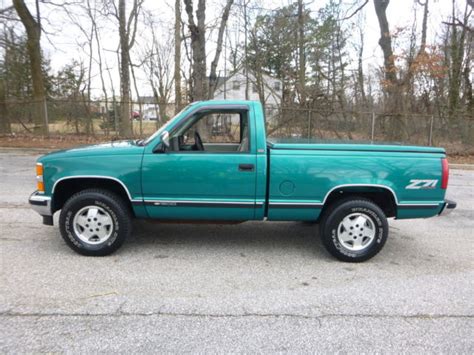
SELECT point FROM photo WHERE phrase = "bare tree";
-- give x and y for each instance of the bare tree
(93, 19)
(33, 32)
(160, 74)
(127, 33)
(220, 38)
(458, 35)
(197, 30)
(158, 67)
(385, 41)
(125, 126)
(88, 48)
(4, 119)
(177, 56)
(360, 86)
(424, 25)
(301, 54)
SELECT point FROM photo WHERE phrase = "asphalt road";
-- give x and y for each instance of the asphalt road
(256, 286)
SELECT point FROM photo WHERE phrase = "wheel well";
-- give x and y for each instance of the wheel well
(382, 197)
(68, 187)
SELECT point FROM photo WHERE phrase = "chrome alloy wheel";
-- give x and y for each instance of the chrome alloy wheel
(93, 225)
(356, 231)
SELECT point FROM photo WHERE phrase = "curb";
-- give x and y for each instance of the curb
(461, 166)
(28, 151)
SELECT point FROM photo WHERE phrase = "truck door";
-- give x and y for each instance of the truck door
(209, 170)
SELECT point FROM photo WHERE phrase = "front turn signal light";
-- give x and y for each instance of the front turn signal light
(40, 186)
(39, 169)
(39, 177)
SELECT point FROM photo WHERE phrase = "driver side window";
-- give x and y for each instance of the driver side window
(215, 132)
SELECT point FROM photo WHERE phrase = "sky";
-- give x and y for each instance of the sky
(64, 42)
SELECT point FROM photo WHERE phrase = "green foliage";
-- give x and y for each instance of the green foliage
(15, 66)
(273, 47)
(69, 81)
(68, 91)
(327, 54)
(272, 42)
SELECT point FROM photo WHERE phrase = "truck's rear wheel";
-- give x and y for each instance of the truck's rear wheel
(354, 230)
(95, 222)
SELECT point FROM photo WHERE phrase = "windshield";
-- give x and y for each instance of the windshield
(165, 126)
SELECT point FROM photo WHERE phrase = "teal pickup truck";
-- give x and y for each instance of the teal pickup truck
(213, 163)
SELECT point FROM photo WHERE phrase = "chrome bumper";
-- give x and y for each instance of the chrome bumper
(448, 207)
(42, 205)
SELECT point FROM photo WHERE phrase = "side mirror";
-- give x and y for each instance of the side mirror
(163, 146)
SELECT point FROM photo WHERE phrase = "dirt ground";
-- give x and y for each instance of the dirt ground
(457, 156)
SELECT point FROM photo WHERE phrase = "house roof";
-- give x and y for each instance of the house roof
(147, 99)
(221, 80)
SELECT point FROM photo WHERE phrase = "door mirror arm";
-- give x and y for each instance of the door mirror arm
(160, 148)
(164, 145)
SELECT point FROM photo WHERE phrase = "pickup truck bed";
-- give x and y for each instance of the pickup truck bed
(320, 169)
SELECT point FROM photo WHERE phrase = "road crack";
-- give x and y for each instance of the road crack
(121, 313)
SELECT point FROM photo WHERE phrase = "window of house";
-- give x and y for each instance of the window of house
(277, 86)
(236, 85)
(254, 87)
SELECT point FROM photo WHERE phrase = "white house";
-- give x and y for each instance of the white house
(233, 88)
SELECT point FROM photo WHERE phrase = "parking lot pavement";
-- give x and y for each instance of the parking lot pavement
(217, 288)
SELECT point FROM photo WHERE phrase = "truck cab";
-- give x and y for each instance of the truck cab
(211, 164)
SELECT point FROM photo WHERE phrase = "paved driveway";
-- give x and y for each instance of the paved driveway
(251, 287)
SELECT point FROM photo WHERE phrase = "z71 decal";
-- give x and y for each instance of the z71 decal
(421, 184)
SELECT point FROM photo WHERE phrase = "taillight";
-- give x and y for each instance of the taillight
(445, 173)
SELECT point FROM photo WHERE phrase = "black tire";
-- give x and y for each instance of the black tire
(332, 230)
(111, 206)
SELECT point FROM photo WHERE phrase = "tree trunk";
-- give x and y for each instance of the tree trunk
(360, 70)
(198, 46)
(246, 67)
(301, 55)
(125, 127)
(385, 41)
(140, 107)
(177, 57)
(424, 27)
(394, 104)
(220, 38)
(457, 47)
(4, 119)
(33, 32)
(89, 122)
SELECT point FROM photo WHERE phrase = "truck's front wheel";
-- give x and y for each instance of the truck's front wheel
(354, 230)
(95, 222)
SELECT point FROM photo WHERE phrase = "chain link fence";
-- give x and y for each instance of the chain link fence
(370, 126)
(101, 119)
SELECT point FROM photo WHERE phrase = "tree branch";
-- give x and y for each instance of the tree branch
(356, 11)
